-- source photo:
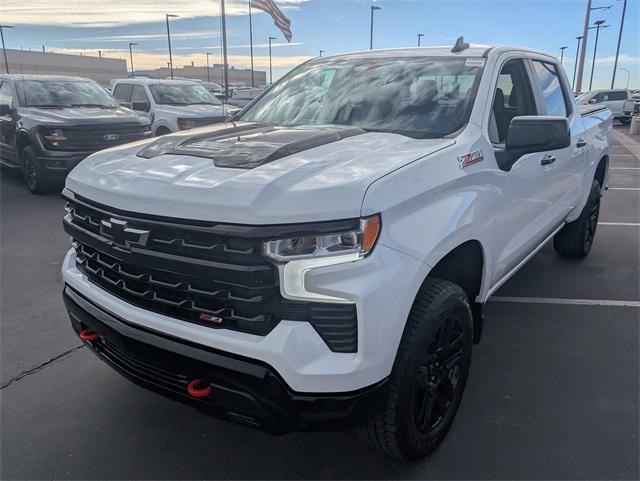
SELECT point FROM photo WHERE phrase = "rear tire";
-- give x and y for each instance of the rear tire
(34, 173)
(574, 241)
(428, 375)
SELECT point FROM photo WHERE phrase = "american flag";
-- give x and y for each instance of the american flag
(282, 22)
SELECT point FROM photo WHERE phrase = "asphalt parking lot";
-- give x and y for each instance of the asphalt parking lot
(553, 392)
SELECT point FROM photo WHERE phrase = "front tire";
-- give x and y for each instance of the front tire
(575, 239)
(428, 376)
(34, 173)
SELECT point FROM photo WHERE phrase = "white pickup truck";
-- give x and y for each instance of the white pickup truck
(321, 261)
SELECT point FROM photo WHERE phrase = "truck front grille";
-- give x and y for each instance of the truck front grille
(91, 138)
(206, 273)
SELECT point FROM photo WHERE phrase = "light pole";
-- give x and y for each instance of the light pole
(270, 67)
(321, 52)
(4, 51)
(575, 67)
(133, 72)
(167, 16)
(598, 26)
(208, 74)
(615, 64)
(373, 9)
(628, 75)
(420, 35)
(562, 49)
(585, 36)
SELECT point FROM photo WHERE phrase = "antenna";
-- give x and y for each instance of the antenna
(460, 45)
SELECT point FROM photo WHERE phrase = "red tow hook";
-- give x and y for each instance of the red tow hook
(195, 391)
(89, 335)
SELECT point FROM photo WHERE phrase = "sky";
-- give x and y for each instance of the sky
(335, 26)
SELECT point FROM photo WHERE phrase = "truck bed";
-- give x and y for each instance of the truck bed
(588, 109)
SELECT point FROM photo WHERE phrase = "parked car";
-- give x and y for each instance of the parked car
(613, 99)
(171, 105)
(49, 123)
(243, 96)
(323, 261)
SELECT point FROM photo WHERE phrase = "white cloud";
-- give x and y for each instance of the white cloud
(91, 13)
(622, 59)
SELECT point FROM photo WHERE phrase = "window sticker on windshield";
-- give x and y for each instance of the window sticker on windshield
(475, 62)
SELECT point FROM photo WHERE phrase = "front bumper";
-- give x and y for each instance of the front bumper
(242, 390)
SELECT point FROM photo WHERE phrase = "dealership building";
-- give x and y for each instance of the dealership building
(103, 69)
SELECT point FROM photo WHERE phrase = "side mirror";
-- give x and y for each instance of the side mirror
(533, 133)
(537, 133)
(593, 100)
(5, 110)
(141, 106)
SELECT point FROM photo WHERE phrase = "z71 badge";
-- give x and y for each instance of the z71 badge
(470, 158)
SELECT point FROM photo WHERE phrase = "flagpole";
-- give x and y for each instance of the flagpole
(224, 51)
(253, 84)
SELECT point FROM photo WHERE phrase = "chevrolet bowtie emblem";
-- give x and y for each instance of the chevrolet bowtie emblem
(121, 235)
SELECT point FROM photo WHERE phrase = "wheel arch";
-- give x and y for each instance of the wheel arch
(23, 140)
(465, 266)
(602, 171)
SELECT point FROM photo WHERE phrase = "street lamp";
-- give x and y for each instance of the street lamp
(167, 16)
(420, 35)
(321, 52)
(208, 74)
(133, 72)
(270, 67)
(575, 67)
(562, 49)
(373, 9)
(4, 51)
(598, 26)
(628, 75)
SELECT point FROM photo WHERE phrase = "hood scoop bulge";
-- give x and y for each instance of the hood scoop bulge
(248, 146)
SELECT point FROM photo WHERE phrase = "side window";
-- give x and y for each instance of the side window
(138, 97)
(122, 93)
(551, 88)
(618, 95)
(512, 98)
(6, 96)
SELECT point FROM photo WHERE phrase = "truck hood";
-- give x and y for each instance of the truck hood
(285, 175)
(81, 116)
(190, 111)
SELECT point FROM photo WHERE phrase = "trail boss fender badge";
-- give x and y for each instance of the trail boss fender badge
(470, 158)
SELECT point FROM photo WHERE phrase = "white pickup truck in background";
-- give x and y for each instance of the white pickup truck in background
(322, 261)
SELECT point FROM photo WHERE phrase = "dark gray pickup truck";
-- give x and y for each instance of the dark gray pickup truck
(50, 123)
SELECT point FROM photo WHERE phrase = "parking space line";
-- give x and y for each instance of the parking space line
(623, 188)
(624, 168)
(624, 224)
(571, 302)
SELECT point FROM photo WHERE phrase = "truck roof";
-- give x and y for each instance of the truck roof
(19, 76)
(474, 50)
(151, 81)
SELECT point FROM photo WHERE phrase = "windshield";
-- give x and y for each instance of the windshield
(418, 97)
(583, 97)
(63, 93)
(182, 94)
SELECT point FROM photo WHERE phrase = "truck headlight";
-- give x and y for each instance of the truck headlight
(53, 137)
(295, 256)
(360, 242)
(184, 124)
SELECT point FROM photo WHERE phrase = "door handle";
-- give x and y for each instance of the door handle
(581, 143)
(549, 159)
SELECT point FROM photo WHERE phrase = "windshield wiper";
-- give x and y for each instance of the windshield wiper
(48, 106)
(101, 106)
